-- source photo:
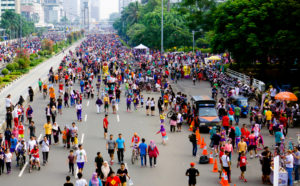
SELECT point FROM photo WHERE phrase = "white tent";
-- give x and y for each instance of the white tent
(141, 47)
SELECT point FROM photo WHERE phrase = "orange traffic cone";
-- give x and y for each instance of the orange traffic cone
(202, 144)
(204, 153)
(215, 169)
(211, 159)
(222, 178)
(191, 128)
(225, 181)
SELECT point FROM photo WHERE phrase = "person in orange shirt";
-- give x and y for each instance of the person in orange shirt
(56, 78)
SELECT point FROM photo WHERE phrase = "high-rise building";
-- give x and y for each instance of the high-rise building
(95, 10)
(72, 9)
(14, 5)
(53, 10)
(33, 10)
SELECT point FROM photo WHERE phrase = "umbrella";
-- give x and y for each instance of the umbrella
(214, 58)
(286, 96)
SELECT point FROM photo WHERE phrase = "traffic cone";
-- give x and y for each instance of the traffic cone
(191, 128)
(225, 181)
(202, 144)
(211, 159)
(204, 153)
(215, 169)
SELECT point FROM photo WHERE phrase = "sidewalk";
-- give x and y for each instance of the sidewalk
(20, 86)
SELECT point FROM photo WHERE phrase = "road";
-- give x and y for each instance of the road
(173, 160)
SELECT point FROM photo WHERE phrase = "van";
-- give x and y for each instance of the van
(206, 110)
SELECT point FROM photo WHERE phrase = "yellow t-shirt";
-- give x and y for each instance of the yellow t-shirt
(48, 128)
(242, 146)
(106, 100)
(268, 115)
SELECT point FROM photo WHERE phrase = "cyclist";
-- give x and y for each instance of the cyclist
(20, 151)
(135, 140)
(35, 158)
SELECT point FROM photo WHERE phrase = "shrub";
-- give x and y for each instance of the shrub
(1, 79)
(41, 53)
(6, 79)
(16, 73)
(10, 67)
(5, 71)
(47, 44)
(16, 65)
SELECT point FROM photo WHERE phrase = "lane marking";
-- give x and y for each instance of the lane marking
(76, 172)
(24, 167)
(85, 118)
(117, 107)
(39, 138)
(88, 103)
(82, 138)
(118, 118)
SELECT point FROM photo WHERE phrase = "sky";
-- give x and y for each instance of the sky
(107, 7)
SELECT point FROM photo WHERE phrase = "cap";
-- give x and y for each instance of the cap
(192, 164)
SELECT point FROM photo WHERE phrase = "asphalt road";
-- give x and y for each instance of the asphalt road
(173, 160)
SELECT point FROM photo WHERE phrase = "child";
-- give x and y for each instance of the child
(163, 134)
(260, 142)
(162, 117)
(243, 162)
(142, 101)
(64, 136)
(1, 161)
(71, 162)
(76, 141)
(8, 157)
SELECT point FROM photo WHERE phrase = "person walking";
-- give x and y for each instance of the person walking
(98, 163)
(45, 147)
(110, 146)
(296, 156)
(48, 131)
(120, 144)
(289, 163)
(226, 164)
(80, 158)
(31, 93)
(123, 174)
(53, 113)
(105, 125)
(153, 153)
(113, 180)
(192, 173)
(71, 158)
(29, 113)
(99, 103)
(8, 157)
(193, 140)
(48, 112)
(237, 114)
(68, 181)
(79, 111)
(2, 160)
(56, 131)
(80, 181)
(105, 170)
(95, 180)
(143, 152)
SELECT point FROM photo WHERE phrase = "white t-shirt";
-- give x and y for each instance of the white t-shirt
(78, 107)
(81, 182)
(225, 160)
(289, 158)
(7, 102)
(31, 144)
(80, 154)
(45, 146)
(273, 92)
(152, 103)
(8, 157)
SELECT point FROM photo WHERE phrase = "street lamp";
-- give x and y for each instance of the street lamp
(162, 27)
(194, 38)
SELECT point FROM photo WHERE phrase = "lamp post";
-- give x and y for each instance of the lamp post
(21, 31)
(193, 32)
(162, 27)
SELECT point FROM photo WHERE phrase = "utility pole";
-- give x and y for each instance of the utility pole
(21, 31)
(162, 27)
(193, 40)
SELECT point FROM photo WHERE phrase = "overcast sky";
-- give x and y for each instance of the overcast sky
(107, 7)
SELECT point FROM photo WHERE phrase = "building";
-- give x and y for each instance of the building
(125, 3)
(72, 10)
(53, 10)
(95, 10)
(33, 11)
(14, 5)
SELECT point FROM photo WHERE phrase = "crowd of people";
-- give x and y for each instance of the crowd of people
(103, 69)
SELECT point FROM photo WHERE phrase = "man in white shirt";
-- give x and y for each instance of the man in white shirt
(45, 147)
(81, 181)
(80, 158)
(226, 164)
(273, 92)
(289, 163)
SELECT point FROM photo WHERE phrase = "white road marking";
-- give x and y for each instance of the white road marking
(82, 138)
(39, 138)
(76, 172)
(24, 167)
(87, 104)
(117, 107)
(118, 118)
(85, 118)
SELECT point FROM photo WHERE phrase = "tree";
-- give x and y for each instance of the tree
(114, 16)
(258, 29)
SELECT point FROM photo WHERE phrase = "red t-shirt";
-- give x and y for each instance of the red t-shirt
(225, 121)
(105, 123)
(21, 129)
(35, 153)
(220, 155)
(243, 161)
(113, 181)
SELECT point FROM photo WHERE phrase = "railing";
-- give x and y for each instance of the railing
(246, 79)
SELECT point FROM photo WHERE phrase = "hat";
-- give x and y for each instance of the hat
(192, 164)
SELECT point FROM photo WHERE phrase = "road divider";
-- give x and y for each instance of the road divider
(39, 138)
(82, 138)
(118, 118)
(88, 103)
(85, 118)
(117, 107)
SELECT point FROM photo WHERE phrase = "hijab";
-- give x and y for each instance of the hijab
(105, 169)
(152, 145)
(95, 180)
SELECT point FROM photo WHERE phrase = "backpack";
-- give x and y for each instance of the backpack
(203, 160)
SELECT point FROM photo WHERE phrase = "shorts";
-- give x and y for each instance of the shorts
(252, 147)
(59, 107)
(243, 168)
(12, 150)
(179, 124)
(147, 107)
(105, 130)
(152, 108)
(192, 181)
(111, 151)
(106, 106)
(34, 159)
(162, 120)
(21, 136)
(72, 139)
(80, 165)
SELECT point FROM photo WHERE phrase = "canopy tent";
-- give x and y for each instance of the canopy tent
(141, 47)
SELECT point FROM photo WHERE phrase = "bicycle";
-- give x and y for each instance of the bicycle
(21, 160)
(134, 155)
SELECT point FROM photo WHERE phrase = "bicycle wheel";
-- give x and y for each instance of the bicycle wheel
(132, 158)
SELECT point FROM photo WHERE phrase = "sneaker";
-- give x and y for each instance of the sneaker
(245, 180)
(39, 168)
(296, 181)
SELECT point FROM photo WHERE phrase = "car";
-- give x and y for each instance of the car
(240, 101)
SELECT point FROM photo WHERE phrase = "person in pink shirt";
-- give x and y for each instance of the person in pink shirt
(228, 147)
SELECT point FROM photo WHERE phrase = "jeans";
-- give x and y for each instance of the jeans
(296, 170)
(290, 176)
(79, 115)
(71, 168)
(143, 159)
(120, 153)
(45, 157)
(98, 108)
(151, 161)
(8, 167)
(195, 149)
(49, 138)
(237, 119)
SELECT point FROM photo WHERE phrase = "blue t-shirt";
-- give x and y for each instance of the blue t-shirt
(278, 136)
(13, 143)
(120, 143)
(143, 147)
